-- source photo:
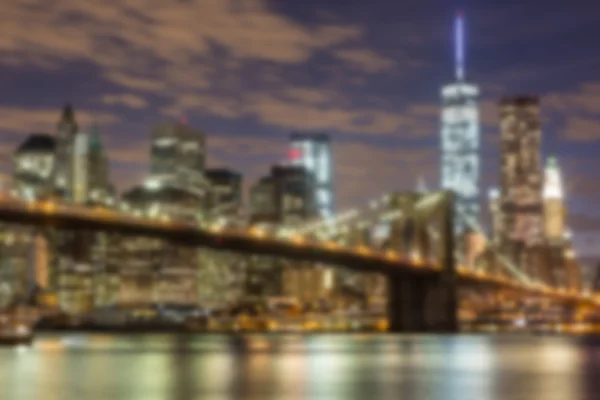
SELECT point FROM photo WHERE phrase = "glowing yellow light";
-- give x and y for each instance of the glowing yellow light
(363, 250)
(298, 240)
(391, 255)
(49, 206)
(257, 232)
(216, 228)
(416, 259)
(331, 245)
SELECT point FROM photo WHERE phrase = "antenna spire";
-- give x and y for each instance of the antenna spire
(459, 46)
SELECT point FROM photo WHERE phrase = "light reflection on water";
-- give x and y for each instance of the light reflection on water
(264, 367)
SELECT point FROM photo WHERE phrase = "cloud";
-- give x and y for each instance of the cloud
(310, 95)
(582, 129)
(583, 222)
(153, 45)
(126, 99)
(586, 99)
(390, 168)
(365, 60)
(222, 106)
(134, 82)
(271, 110)
(27, 120)
(580, 111)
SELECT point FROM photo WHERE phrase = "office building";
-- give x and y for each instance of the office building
(554, 207)
(33, 163)
(65, 140)
(80, 175)
(496, 216)
(39, 259)
(521, 175)
(225, 194)
(313, 152)
(178, 158)
(152, 271)
(286, 196)
(100, 190)
(222, 274)
(460, 137)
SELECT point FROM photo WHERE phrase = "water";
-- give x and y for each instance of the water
(265, 367)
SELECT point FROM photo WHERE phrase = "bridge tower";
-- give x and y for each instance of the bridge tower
(426, 302)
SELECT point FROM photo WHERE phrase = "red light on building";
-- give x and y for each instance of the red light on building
(294, 154)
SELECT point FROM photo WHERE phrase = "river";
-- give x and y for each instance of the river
(288, 367)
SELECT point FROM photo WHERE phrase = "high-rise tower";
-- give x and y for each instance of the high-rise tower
(178, 158)
(65, 141)
(521, 174)
(554, 208)
(460, 135)
(313, 152)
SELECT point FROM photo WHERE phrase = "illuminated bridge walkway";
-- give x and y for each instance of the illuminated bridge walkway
(418, 255)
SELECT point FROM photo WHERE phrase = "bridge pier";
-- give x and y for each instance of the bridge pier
(420, 305)
(428, 303)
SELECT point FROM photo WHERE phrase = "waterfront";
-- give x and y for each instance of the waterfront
(263, 366)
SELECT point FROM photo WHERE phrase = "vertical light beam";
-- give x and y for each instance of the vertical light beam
(459, 46)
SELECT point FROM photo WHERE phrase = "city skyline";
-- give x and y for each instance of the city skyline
(381, 108)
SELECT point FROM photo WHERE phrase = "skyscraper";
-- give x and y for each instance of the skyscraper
(554, 208)
(496, 215)
(460, 135)
(33, 165)
(80, 167)
(63, 169)
(178, 157)
(99, 186)
(285, 196)
(313, 152)
(225, 193)
(521, 174)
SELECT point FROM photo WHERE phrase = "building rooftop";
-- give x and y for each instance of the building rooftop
(37, 143)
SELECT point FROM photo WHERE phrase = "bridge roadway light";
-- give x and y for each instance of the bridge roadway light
(330, 245)
(363, 250)
(297, 240)
(257, 232)
(49, 206)
(391, 255)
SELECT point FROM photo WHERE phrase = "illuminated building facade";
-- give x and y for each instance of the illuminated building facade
(80, 168)
(222, 274)
(460, 136)
(313, 152)
(496, 215)
(286, 196)
(554, 208)
(39, 261)
(153, 271)
(178, 158)
(225, 192)
(521, 174)
(33, 164)
(65, 140)
(100, 190)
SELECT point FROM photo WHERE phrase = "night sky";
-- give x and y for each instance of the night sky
(249, 72)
